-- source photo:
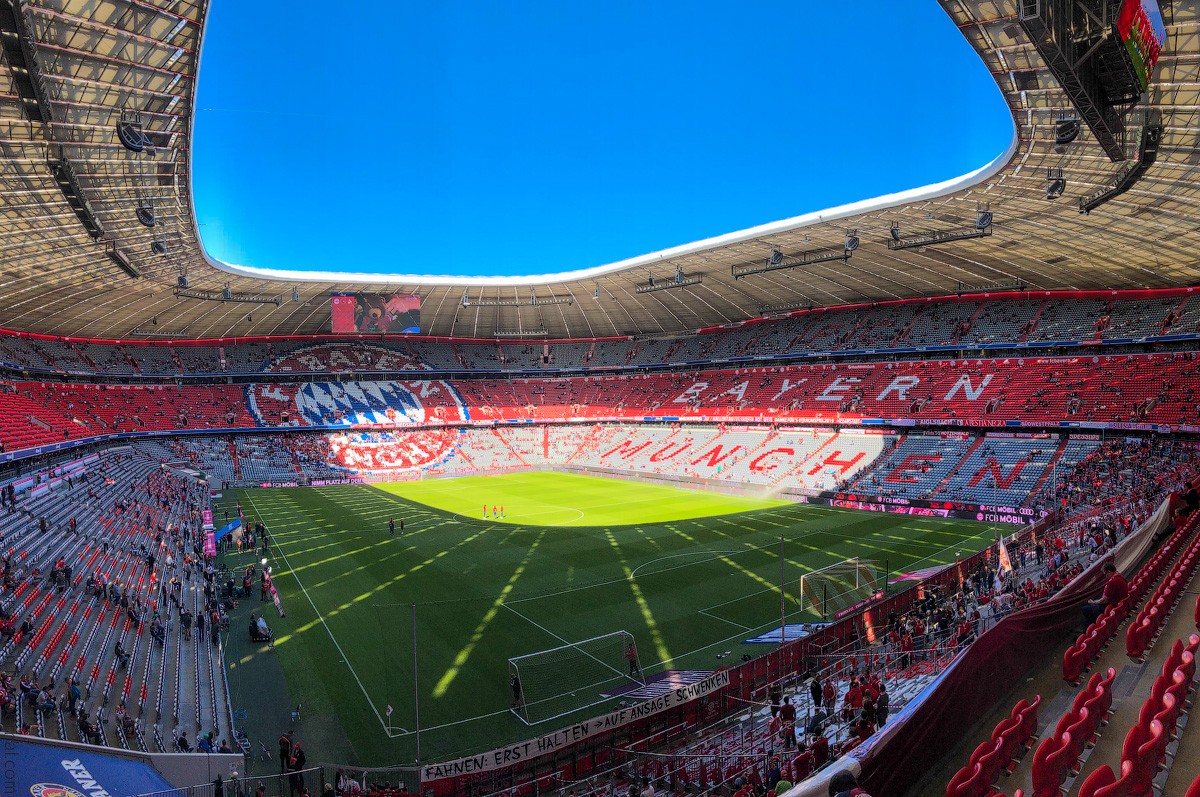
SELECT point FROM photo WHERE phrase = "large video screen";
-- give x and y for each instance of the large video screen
(1141, 27)
(376, 313)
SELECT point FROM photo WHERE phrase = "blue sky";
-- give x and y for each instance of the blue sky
(534, 137)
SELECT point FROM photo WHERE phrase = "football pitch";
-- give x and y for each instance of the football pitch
(690, 574)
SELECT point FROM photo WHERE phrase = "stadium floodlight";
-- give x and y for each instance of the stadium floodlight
(680, 280)
(777, 260)
(851, 240)
(550, 684)
(540, 332)
(776, 309)
(466, 302)
(1056, 184)
(145, 213)
(895, 231)
(596, 293)
(158, 247)
(1016, 284)
(983, 217)
(183, 283)
(130, 132)
(295, 294)
(225, 295)
(921, 239)
(1065, 132)
(534, 301)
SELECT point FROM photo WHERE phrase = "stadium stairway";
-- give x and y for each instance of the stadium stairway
(1134, 680)
(166, 688)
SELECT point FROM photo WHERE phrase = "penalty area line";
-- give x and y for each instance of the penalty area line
(383, 723)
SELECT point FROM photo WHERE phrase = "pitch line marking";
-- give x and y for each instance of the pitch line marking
(341, 652)
(724, 620)
(716, 556)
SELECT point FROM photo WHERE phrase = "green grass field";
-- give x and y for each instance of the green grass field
(690, 574)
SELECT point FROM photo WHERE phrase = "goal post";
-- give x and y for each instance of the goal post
(837, 587)
(552, 683)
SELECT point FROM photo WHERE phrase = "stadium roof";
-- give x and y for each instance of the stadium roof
(70, 194)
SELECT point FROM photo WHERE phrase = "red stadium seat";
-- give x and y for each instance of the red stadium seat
(1075, 658)
(1104, 776)
(1168, 713)
(991, 763)
(1051, 770)
(977, 785)
(1119, 788)
(1194, 789)
(960, 777)
(1149, 755)
(1008, 734)
(1029, 719)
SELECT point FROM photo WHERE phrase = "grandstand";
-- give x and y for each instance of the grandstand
(980, 354)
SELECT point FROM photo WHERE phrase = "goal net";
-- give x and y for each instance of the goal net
(552, 683)
(837, 587)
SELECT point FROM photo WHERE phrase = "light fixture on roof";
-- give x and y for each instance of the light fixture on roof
(680, 280)
(1066, 131)
(226, 295)
(534, 301)
(295, 294)
(465, 301)
(145, 213)
(777, 260)
(1056, 184)
(982, 228)
(596, 293)
(130, 132)
(158, 247)
(983, 217)
(183, 283)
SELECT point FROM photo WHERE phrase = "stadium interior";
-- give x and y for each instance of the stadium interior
(999, 373)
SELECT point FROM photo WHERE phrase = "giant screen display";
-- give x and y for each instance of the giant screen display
(376, 313)
(1141, 27)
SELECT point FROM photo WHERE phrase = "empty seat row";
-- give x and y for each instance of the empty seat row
(1145, 746)
(1059, 753)
(1148, 622)
(1008, 741)
(1096, 637)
